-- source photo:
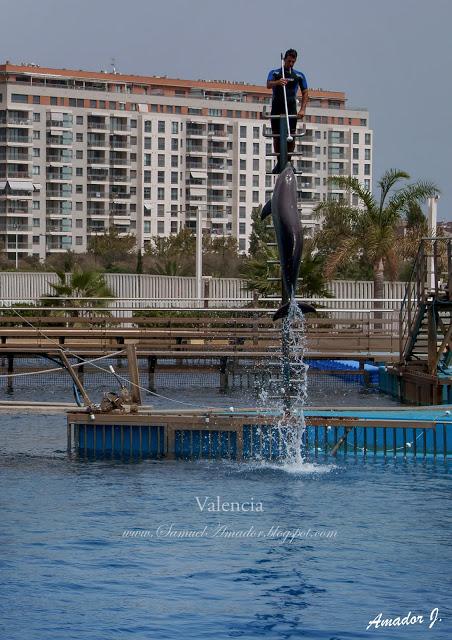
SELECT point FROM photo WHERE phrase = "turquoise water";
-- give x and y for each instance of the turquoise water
(378, 541)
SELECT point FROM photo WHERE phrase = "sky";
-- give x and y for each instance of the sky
(393, 57)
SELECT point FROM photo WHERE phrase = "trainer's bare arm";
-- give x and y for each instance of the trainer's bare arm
(276, 83)
(304, 102)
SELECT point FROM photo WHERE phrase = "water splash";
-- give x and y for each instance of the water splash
(284, 390)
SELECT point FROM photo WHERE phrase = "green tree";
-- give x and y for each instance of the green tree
(172, 255)
(370, 232)
(112, 250)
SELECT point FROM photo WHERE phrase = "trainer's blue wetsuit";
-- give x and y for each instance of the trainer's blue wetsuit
(296, 80)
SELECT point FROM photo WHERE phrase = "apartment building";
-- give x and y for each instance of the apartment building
(82, 151)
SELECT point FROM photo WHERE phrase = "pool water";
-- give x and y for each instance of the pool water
(317, 550)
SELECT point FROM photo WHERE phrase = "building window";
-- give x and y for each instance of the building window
(356, 138)
(242, 165)
(161, 160)
(366, 154)
(242, 244)
(79, 137)
(255, 148)
(19, 97)
(79, 171)
(79, 120)
(161, 144)
(160, 177)
(36, 205)
(147, 193)
(148, 126)
(242, 180)
(174, 194)
(79, 224)
(355, 154)
(242, 196)
(36, 135)
(36, 117)
(36, 222)
(36, 153)
(174, 161)
(36, 99)
(133, 124)
(174, 144)
(146, 176)
(133, 140)
(363, 122)
(367, 184)
(367, 169)
(367, 138)
(35, 239)
(147, 226)
(255, 197)
(79, 206)
(160, 226)
(243, 147)
(148, 143)
(255, 181)
(78, 240)
(79, 155)
(355, 169)
(78, 188)
(160, 193)
(36, 170)
(256, 164)
(161, 126)
(147, 159)
(174, 177)
(174, 128)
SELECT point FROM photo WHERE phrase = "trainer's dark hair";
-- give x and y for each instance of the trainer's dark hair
(291, 52)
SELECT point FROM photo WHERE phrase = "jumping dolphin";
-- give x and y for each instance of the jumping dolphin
(289, 235)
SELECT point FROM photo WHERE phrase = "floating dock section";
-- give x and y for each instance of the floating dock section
(254, 434)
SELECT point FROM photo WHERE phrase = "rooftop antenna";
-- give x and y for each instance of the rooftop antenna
(113, 65)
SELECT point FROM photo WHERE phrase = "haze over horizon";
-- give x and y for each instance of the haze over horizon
(392, 57)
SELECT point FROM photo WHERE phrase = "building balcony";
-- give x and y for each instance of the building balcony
(97, 124)
(58, 176)
(94, 228)
(97, 159)
(11, 121)
(191, 164)
(116, 161)
(59, 124)
(59, 158)
(121, 142)
(58, 194)
(97, 210)
(214, 149)
(4, 175)
(15, 139)
(121, 178)
(196, 148)
(12, 155)
(97, 195)
(119, 195)
(196, 132)
(97, 176)
(14, 229)
(118, 126)
(97, 142)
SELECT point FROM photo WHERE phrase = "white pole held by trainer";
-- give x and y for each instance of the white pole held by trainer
(289, 137)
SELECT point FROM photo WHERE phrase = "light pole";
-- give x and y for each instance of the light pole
(432, 219)
(16, 229)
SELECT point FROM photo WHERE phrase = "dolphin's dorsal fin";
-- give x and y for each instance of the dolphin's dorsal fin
(266, 210)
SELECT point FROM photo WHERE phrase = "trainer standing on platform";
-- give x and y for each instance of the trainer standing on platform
(292, 81)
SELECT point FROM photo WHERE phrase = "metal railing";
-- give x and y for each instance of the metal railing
(431, 276)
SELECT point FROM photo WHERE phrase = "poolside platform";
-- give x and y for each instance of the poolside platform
(253, 434)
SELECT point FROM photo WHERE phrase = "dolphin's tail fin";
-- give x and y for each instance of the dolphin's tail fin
(284, 310)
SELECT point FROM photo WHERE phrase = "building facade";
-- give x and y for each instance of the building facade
(82, 151)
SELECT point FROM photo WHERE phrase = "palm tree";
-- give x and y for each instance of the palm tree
(84, 288)
(369, 232)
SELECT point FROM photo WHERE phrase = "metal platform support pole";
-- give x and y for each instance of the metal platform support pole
(283, 133)
(10, 372)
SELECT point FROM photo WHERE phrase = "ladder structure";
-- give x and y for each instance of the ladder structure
(425, 325)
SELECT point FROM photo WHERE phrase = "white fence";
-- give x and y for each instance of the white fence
(146, 291)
